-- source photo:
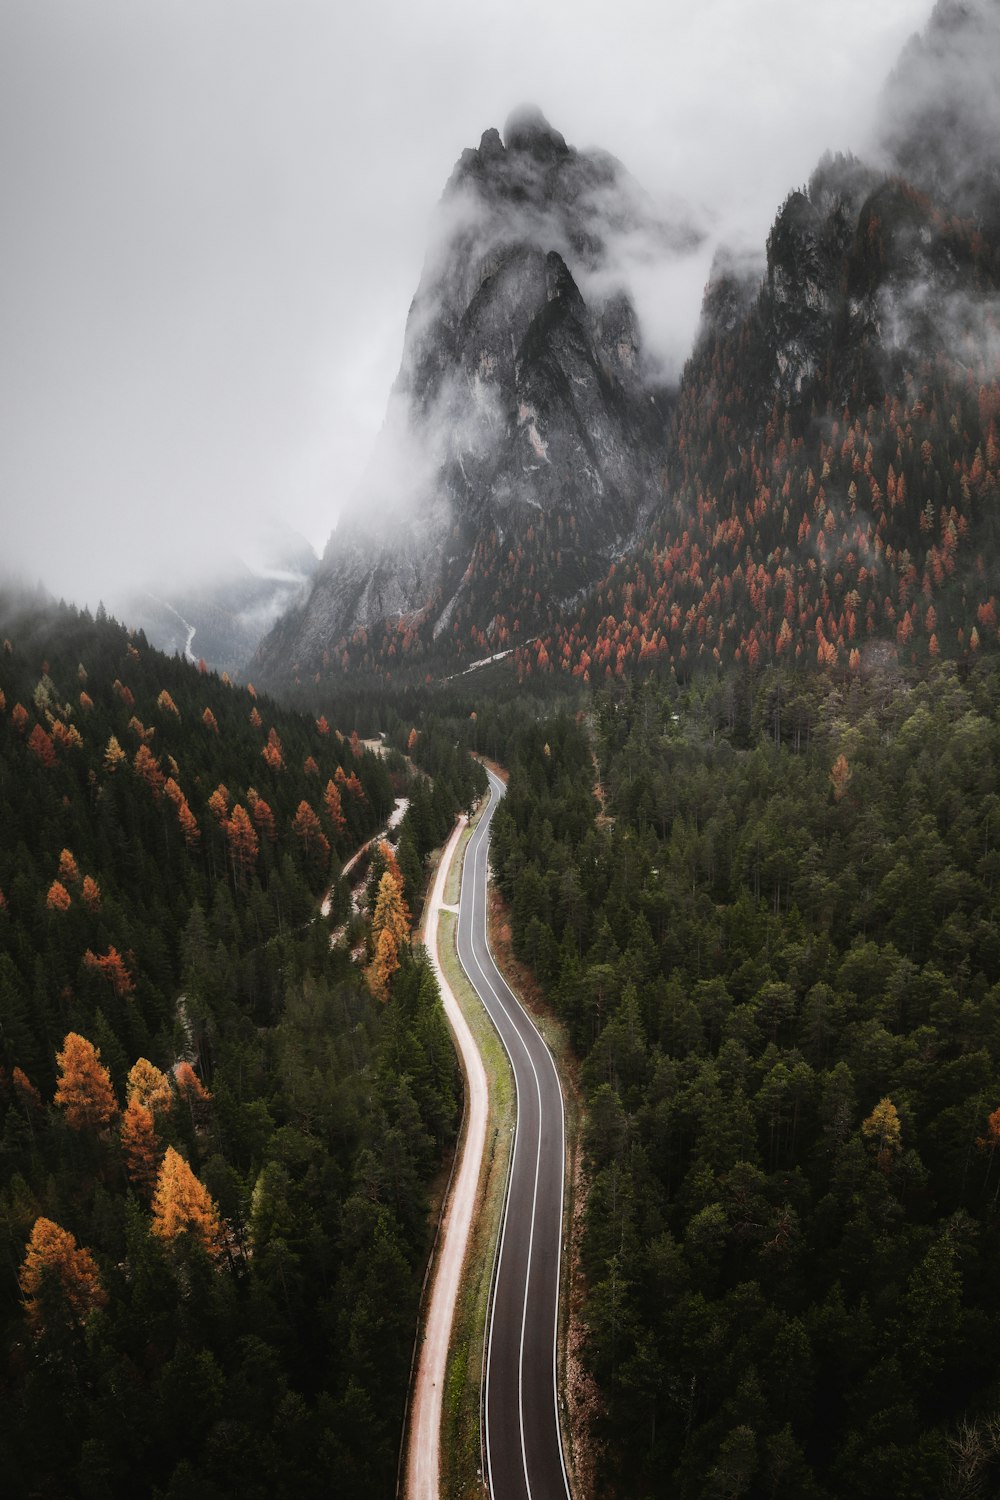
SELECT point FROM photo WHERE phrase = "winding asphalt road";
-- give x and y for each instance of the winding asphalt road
(524, 1457)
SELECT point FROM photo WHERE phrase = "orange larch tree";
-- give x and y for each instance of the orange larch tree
(90, 893)
(219, 802)
(41, 747)
(113, 967)
(383, 965)
(209, 720)
(335, 808)
(272, 751)
(185, 817)
(140, 1146)
(193, 1092)
(58, 898)
(243, 842)
(306, 827)
(55, 1265)
(181, 1205)
(261, 814)
(83, 1088)
(147, 767)
(69, 872)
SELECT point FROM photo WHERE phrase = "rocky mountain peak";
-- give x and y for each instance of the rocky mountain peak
(521, 424)
(528, 130)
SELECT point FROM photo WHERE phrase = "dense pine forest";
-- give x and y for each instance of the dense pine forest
(217, 1130)
(767, 914)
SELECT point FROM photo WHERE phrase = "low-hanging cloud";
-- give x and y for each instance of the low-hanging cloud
(215, 216)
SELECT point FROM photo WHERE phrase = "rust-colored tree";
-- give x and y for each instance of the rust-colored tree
(210, 722)
(112, 967)
(840, 775)
(272, 751)
(41, 747)
(182, 1206)
(313, 841)
(83, 1088)
(90, 893)
(384, 964)
(185, 817)
(147, 767)
(335, 808)
(58, 1276)
(218, 802)
(192, 1092)
(262, 815)
(243, 843)
(69, 872)
(58, 898)
(140, 1146)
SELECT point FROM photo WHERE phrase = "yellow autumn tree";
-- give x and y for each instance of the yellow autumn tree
(391, 911)
(56, 1267)
(113, 755)
(149, 1087)
(182, 1205)
(883, 1131)
(83, 1088)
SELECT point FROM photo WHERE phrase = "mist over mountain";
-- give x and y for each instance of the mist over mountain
(528, 416)
(220, 617)
(832, 445)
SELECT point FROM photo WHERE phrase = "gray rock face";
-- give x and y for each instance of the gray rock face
(522, 410)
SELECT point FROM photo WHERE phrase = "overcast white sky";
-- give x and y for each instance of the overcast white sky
(213, 215)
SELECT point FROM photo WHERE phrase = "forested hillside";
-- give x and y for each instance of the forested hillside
(216, 1132)
(772, 932)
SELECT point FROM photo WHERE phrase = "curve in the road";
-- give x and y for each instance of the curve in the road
(524, 1453)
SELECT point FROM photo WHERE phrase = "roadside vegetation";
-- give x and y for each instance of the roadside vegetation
(777, 954)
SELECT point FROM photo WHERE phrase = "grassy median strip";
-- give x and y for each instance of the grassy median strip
(461, 1476)
(453, 880)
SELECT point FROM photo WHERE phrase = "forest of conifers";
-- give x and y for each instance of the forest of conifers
(773, 939)
(215, 1140)
(765, 909)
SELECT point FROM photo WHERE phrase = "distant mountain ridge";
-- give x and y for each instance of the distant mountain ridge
(221, 620)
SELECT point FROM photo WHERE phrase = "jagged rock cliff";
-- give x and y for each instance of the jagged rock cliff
(523, 440)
